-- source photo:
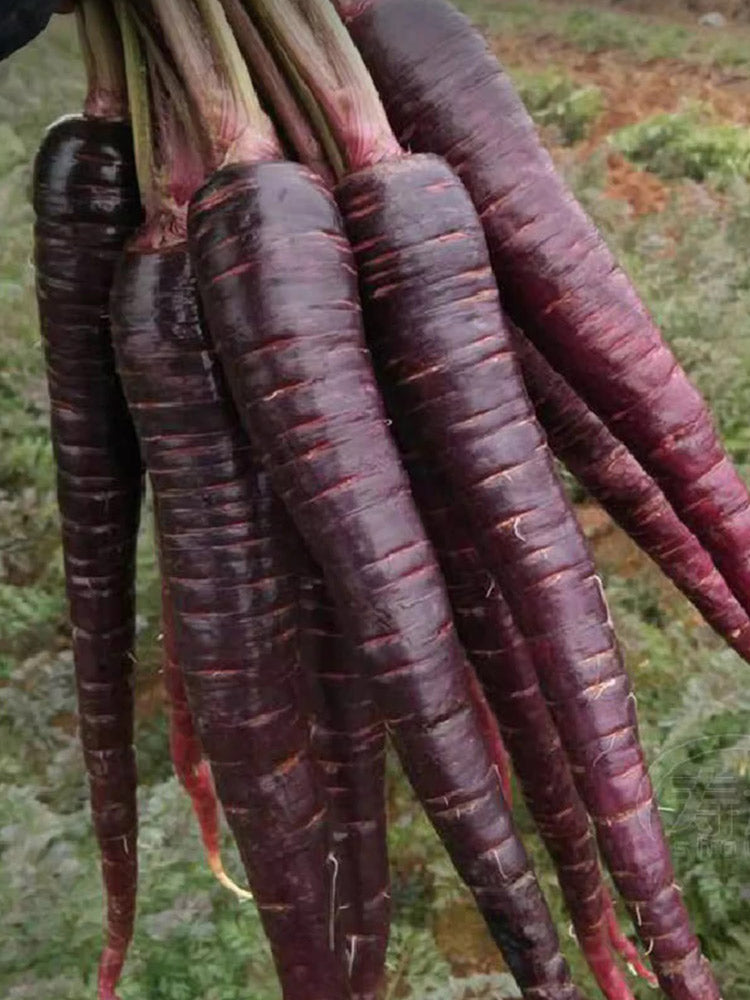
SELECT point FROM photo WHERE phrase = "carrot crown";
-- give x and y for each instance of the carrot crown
(217, 81)
(327, 71)
(168, 154)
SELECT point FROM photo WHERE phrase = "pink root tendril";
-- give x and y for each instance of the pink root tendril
(194, 774)
(624, 947)
(110, 968)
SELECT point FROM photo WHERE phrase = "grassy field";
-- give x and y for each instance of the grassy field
(668, 182)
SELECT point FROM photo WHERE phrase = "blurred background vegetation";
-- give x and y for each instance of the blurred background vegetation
(649, 120)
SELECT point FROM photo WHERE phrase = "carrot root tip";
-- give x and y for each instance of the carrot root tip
(624, 947)
(217, 869)
(110, 969)
(601, 961)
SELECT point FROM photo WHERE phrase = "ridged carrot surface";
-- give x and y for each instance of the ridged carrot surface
(86, 203)
(233, 606)
(349, 744)
(610, 473)
(445, 93)
(437, 334)
(279, 289)
(499, 654)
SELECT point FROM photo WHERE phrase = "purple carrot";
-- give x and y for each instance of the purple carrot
(86, 203)
(490, 731)
(230, 583)
(436, 332)
(348, 732)
(610, 473)
(279, 290)
(349, 744)
(234, 611)
(506, 670)
(437, 336)
(445, 93)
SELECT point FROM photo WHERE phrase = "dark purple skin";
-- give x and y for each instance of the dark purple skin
(279, 288)
(349, 744)
(437, 335)
(498, 653)
(86, 203)
(190, 767)
(610, 473)
(490, 730)
(445, 93)
(223, 554)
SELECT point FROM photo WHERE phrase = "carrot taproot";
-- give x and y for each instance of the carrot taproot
(445, 93)
(191, 768)
(488, 724)
(437, 335)
(230, 582)
(86, 204)
(349, 744)
(279, 290)
(613, 477)
(348, 732)
(506, 670)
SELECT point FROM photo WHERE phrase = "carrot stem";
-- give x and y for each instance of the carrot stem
(140, 115)
(314, 112)
(309, 36)
(168, 160)
(280, 96)
(107, 95)
(218, 82)
(164, 82)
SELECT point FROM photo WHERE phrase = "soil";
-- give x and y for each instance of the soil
(632, 92)
(733, 10)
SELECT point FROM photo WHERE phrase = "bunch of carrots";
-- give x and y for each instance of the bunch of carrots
(309, 268)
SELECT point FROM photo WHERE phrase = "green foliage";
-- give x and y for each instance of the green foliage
(24, 608)
(557, 103)
(193, 939)
(690, 265)
(595, 30)
(701, 776)
(590, 28)
(693, 707)
(31, 595)
(687, 144)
